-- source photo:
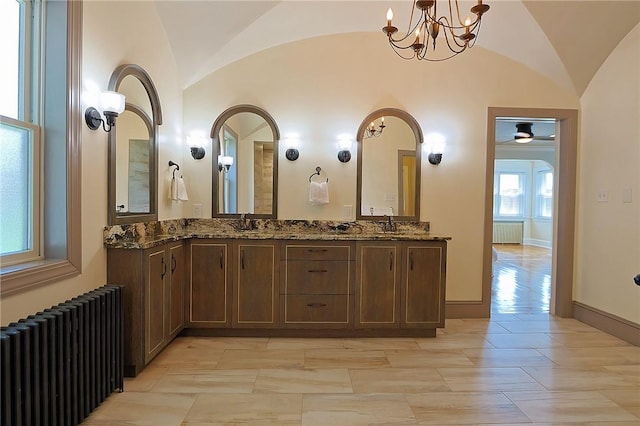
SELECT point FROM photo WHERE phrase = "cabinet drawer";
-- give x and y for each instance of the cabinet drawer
(299, 252)
(316, 309)
(316, 277)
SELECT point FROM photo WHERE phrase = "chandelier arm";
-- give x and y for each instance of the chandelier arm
(452, 46)
(397, 49)
(406, 36)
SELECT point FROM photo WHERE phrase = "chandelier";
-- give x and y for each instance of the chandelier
(423, 32)
(371, 132)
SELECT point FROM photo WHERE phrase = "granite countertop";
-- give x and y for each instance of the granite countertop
(152, 234)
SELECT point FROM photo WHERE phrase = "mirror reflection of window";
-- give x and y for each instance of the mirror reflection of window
(230, 176)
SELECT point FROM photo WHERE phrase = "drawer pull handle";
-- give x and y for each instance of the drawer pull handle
(391, 261)
(221, 257)
(174, 263)
(318, 270)
(317, 250)
(411, 261)
(316, 305)
(164, 268)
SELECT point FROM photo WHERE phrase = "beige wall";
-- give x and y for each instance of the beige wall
(322, 87)
(608, 239)
(107, 43)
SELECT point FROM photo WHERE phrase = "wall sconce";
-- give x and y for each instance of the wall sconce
(434, 145)
(371, 132)
(196, 143)
(111, 104)
(224, 163)
(344, 155)
(292, 144)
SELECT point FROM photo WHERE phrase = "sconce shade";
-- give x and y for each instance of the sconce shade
(112, 102)
(345, 144)
(224, 162)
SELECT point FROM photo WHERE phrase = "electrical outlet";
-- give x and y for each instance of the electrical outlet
(197, 210)
(627, 195)
(390, 197)
(603, 196)
(347, 212)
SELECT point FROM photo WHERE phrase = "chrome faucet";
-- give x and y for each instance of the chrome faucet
(246, 224)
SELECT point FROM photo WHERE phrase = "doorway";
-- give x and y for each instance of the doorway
(561, 299)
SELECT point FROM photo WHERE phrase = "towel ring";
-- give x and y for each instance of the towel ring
(171, 164)
(318, 170)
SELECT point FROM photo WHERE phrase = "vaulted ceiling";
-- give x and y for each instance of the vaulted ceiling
(565, 40)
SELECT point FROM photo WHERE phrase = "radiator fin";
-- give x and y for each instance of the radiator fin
(58, 365)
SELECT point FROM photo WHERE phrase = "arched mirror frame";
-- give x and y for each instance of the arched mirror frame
(215, 132)
(417, 132)
(117, 76)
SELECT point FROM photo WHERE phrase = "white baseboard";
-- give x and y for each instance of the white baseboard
(537, 243)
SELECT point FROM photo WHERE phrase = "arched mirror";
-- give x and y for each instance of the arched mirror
(245, 170)
(132, 148)
(388, 181)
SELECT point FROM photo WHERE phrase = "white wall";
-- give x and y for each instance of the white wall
(608, 239)
(107, 43)
(322, 87)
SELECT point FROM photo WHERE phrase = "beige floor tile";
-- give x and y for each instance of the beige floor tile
(143, 408)
(477, 326)
(588, 340)
(268, 409)
(244, 359)
(144, 381)
(585, 378)
(427, 359)
(304, 343)
(397, 380)
(629, 399)
(352, 410)
(381, 343)
(208, 381)
(570, 407)
(454, 341)
(488, 379)
(522, 341)
(491, 357)
(344, 358)
(584, 357)
(552, 325)
(449, 408)
(301, 381)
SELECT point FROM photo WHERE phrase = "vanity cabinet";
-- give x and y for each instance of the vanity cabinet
(153, 281)
(233, 284)
(255, 284)
(317, 285)
(209, 279)
(378, 285)
(400, 284)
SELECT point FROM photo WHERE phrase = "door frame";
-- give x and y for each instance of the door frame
(564, 223)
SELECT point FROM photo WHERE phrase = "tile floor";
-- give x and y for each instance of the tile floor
(520, 367)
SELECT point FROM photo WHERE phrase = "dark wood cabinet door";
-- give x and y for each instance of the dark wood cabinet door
(377, 281)
(255, 295)
(423, 286)
(155, 299)
(208, 289)
(176, 290)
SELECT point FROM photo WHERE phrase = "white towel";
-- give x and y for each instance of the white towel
(178, 190)
(319, 192)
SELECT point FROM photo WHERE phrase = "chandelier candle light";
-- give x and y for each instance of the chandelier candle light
(458, 34)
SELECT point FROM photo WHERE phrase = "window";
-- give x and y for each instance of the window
(509, 195)
(39, 142)
(544, 194)
(19, 135)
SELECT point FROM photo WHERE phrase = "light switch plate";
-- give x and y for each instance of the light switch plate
(627, 195)
(197, 210)
(603, 196)
(347, 212)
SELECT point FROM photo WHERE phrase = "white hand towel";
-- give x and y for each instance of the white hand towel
(319, 192)
(173, 190)
(182, 190)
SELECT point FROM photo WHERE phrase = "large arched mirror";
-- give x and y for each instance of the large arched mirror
(132, 148)
(245, 170)
(388, 181)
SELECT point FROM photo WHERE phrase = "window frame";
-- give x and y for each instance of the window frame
(522, 196)
(537, 197)
(61, 232)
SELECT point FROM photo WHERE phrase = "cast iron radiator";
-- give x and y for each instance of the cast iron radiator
(58, 365)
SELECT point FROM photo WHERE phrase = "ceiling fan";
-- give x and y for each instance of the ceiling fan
(524, 133)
